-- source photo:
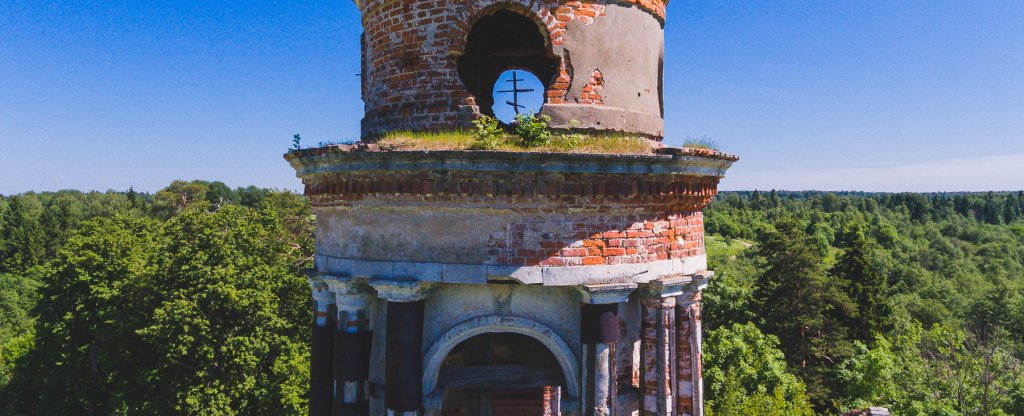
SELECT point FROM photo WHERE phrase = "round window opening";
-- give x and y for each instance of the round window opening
(517, 92)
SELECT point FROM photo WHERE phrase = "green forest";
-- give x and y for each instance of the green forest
(191, 301)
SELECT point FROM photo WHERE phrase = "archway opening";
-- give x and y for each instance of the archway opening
(499, 374)
(499, 42)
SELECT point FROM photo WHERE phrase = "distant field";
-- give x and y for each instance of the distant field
(719, 247)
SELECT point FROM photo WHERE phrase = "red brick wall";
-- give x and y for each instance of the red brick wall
(562, 219)
(599, 240)
(410, 50)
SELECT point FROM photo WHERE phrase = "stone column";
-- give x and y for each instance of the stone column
(403, 366)
(697, 341)
(685, 357)
(320, 360)
(552, 400)
(353, 340)
(690, 384)
(658, 378)
(599, 333)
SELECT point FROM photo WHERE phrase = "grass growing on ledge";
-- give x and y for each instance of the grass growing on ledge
(569, 143)
(702, 142)
(425, 140)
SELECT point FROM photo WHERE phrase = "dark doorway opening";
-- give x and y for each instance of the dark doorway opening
(501, 374)
(499, 42)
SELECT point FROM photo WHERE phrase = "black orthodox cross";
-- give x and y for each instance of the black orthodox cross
(515, 92)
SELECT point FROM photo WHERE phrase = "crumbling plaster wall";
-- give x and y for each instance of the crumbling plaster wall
(626, 45)
(507, 236)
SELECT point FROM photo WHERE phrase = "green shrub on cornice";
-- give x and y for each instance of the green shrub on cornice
(488, 134)
(533, 130)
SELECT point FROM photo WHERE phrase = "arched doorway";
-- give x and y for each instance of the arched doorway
(500, 374)
(501, 41)
(523, 361)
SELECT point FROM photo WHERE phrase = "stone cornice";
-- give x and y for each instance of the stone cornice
(408, 273)
(343, 159)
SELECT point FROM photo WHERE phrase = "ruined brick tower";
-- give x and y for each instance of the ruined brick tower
(432, 64)
(509, 283)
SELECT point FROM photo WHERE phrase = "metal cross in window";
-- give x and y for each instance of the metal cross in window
(515, 92)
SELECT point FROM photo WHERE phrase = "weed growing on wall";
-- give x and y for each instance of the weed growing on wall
(488, 134)
(532, 130)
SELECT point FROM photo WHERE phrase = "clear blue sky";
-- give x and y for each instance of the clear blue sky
(866, 95)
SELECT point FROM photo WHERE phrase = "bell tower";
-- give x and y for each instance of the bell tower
(468, 282)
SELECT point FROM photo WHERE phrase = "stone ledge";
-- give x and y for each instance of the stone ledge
(342, 268)
(346, 158)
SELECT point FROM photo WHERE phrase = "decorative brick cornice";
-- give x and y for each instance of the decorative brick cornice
(684, 181)
(687, 193)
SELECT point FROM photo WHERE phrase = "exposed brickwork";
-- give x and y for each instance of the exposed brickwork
(592, 91)
(410, 51)
(607, 239)
(677, 193)
(656, 358)
(684, 360)
(627, 371)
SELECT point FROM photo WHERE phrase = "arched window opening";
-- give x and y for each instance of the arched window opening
(516, 92)
(498, 43)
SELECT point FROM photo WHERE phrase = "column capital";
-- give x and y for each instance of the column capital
(401, 290)
(321, 292)
(347, 286)
(701, 279)
(602, 294)
(668, 287)
(678, 285)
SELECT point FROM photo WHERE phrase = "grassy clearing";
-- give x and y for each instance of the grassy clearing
(570, 143)
(723, 248)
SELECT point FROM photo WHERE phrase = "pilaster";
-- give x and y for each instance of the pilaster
(599, 332)
(353, 342)
(403, 367)
(320, 360)
(658, 378)
(689, 367)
